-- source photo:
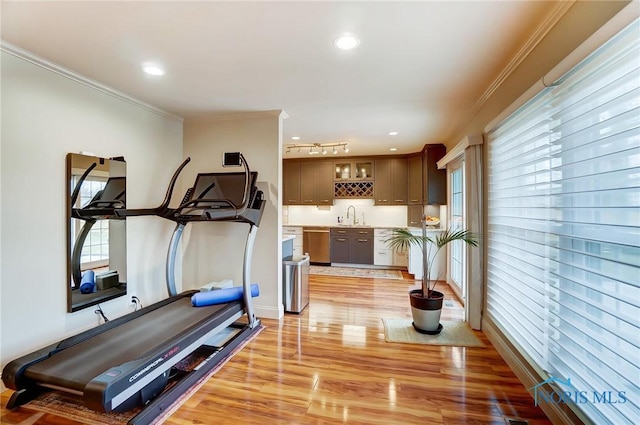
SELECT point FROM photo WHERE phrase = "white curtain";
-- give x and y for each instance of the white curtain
(473, 215)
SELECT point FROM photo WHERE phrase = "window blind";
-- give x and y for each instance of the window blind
(563, 236)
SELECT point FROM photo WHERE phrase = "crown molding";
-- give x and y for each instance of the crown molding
(616, 24)
(227, 116)
(551, 20)
(72, 75)
(459, 149)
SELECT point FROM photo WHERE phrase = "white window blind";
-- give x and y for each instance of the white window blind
(563, 237)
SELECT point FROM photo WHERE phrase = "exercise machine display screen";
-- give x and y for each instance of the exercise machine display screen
(219, 186)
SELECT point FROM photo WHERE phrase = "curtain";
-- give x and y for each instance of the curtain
(473, 214)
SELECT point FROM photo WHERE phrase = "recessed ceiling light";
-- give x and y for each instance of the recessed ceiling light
(393, 133)
(346, 41)
(152, 69)
(295, 137)
(393, 149)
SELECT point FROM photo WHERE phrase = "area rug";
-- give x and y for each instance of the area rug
(454, 333)
(68, 406)
(355, 272)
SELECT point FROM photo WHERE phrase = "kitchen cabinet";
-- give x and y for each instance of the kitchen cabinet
(316, 185)
(414, 183)
(324, 183)
(291, 183)
(390, 186)
(414, 215)
(438, 264)
(297, 241)
(353, 169)
(352, 246)
(340, 249)
(401, 258)
(434, 180)
(307, 182)
(383, 254)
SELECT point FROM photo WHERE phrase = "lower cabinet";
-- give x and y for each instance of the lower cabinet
(340, 249)
(295, 231)
(383, 255)
(352, 246)
(438, 263)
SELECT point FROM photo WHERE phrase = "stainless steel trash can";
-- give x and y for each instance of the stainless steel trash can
(295, 276)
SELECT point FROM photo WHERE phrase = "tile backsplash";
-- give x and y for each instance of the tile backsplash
(383, 216)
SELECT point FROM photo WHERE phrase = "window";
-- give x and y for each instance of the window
(457, 222)
(95, 251)
(563, 236)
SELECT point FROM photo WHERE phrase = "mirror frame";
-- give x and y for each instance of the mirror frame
(110, 167)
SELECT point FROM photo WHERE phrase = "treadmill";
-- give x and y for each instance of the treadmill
(140, 359)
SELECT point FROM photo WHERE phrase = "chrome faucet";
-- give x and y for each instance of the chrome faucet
(355, 221)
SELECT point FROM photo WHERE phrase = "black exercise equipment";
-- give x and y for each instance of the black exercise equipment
(138, 359)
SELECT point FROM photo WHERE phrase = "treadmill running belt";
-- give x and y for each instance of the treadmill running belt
(75, 366)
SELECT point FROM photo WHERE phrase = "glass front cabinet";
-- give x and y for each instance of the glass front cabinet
(353, 169)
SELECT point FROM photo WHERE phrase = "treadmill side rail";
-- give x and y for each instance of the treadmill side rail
(13, 372)
(120, 383)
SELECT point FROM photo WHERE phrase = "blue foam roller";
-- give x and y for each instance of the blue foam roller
(88, 282)
(221, 296)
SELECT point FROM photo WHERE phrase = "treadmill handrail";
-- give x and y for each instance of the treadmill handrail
(172, 183)
(76, 190)
(192, 203)
(116, 203)
(160, 210)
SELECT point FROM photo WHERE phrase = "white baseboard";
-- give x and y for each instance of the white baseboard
(558, 414)
(269, 312)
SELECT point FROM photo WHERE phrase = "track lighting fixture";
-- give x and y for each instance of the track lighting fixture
(316, 148)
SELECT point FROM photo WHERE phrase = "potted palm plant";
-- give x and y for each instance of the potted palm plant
(426, 302)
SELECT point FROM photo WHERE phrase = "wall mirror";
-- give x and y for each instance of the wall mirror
(96, 234)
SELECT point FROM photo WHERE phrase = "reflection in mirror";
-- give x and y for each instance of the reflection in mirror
(96, 236)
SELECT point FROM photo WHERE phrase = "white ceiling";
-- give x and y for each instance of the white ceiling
(420, 69)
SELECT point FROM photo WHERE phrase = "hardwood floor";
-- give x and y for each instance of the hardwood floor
(331, 364)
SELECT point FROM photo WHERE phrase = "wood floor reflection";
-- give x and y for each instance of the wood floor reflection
(331, 364)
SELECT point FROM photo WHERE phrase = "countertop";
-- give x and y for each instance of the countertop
(429, 229)
(342, 226)
(365, 226)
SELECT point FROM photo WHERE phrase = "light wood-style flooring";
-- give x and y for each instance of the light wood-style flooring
(331, 365)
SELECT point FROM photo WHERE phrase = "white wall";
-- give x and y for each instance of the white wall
(214, 251)
(45, 116)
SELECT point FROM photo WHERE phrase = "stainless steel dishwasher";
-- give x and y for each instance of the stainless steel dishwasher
(316, 241)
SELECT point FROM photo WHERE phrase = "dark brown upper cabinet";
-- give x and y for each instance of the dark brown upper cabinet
(291, 183)
(316, 183)
(390, 186)
(307, 182)
(434, 180)
(414, 183)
